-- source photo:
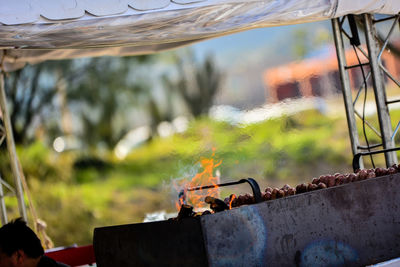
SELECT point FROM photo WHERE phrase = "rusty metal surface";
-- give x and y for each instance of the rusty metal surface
(167, 243)
(349, 225)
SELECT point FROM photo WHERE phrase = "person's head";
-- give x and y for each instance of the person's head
(19, 245)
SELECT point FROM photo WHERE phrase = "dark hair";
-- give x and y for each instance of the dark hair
(16, 235)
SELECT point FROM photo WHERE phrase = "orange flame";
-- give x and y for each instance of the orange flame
(203, 178)
(233, 196)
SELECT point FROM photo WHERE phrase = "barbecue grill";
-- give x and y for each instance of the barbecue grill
(348, 225)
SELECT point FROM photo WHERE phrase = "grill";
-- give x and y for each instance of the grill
(348, 225)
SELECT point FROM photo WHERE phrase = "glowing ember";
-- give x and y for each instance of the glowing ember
(232, 198)
(203, 178)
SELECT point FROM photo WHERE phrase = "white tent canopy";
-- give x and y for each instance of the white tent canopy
(36, 30)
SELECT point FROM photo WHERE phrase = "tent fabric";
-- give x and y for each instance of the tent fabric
(35, 30)
(345, 7)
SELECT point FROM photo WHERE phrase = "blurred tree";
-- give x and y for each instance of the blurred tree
(321, 38)
(306, 40)
(101, 96)
(93, 90)
(30, 96)
(158, 107)
(300, 46)
(197, 83)
(94, 96)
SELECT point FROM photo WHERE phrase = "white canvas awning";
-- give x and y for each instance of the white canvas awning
(36, 30)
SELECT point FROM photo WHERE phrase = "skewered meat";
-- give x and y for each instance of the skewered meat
(291, 191)
(363, 174)
(280, 193)
(322, 182)
(268, 189)
(391, 170)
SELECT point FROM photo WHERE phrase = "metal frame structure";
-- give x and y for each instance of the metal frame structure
(372, 50)
(3, 212)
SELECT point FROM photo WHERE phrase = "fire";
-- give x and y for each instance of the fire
(203, 178)
(233, 196)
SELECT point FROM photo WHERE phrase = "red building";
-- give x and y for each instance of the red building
(319, 76)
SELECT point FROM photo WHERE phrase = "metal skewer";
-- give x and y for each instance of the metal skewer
(253, 184)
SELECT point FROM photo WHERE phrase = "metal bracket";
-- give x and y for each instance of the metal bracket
(357, 157)
(3, 211)
(355, 39)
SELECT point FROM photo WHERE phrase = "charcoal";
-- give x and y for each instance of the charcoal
(206, 212)
(186, 211)
(216, 204)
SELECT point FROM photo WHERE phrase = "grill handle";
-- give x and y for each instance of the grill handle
(253, 184)
(255, 188)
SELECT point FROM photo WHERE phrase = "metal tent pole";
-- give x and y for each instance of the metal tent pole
(346, 88)
(379, 90)
(11, 150)
(3, 211)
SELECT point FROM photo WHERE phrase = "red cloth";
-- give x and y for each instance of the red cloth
(74, 256)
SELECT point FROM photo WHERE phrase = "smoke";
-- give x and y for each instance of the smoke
(158, 216)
